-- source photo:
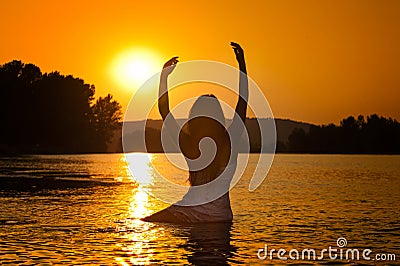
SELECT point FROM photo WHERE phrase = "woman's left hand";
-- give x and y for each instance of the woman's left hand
(170, 65)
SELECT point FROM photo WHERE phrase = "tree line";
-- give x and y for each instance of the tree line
(52, 113)
(373, 135)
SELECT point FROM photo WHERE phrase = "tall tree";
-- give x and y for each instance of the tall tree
(106, 118)
(52, 113)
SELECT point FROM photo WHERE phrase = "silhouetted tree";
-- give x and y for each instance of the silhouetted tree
(51, 112)
(298, 140)
(106, 117)
(375, 135)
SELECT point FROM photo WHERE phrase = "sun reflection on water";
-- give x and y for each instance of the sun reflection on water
(138, 205)
(136, 234)
(142, 170)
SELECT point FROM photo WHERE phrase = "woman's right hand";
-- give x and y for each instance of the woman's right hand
(169, 66)
(238, 52)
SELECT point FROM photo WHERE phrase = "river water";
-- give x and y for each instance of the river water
(78, 209)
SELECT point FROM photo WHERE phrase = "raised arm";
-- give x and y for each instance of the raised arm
(241, 106)
(163, 101)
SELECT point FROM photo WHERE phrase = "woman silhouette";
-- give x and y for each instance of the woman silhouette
(206, 164)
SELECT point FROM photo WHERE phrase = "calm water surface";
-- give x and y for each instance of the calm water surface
(78, 209)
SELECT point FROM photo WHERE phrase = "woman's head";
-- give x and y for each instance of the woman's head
(206, 106)
(206, 119)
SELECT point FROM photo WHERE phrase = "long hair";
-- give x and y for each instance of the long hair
(206, 119)
(207, 105)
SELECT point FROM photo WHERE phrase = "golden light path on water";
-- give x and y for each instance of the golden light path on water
(139, 234)
(138, 207)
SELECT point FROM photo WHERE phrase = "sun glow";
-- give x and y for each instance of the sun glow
(131, 68)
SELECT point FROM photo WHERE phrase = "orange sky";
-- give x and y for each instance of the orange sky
(316, 61)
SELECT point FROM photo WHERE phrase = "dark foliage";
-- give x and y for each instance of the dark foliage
(376, 134)
(52, 113)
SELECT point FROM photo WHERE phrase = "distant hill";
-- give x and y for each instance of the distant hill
(284, 127)
(135, 135)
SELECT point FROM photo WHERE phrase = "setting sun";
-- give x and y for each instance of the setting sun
(132, 67)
